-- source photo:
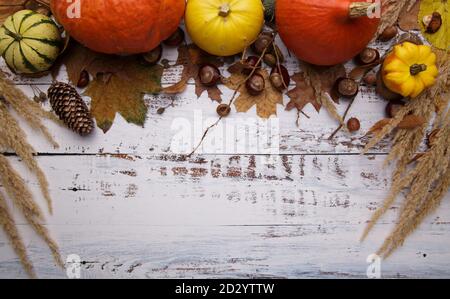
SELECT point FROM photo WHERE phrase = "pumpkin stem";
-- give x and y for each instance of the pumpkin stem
(14, 35)
(416, 69)
(224, 10)
(362, 9)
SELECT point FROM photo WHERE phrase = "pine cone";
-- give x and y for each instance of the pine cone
(70, 108)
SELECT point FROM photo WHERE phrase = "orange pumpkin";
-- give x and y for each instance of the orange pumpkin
(326, 32)
(118, 26)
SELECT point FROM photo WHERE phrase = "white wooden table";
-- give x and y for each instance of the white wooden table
(130, 207)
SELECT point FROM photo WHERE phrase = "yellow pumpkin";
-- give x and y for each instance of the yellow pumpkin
(409, 69)
(30, 42)
(224, 27)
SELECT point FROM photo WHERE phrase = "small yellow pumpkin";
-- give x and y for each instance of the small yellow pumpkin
(410, 69)
(224, 27)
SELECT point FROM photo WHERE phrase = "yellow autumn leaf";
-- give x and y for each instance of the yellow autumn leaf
(266, 103)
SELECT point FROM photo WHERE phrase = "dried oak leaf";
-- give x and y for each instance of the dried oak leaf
(409, 122)
(76, 59)
(118, 85)
(192, 58)
(266, 102)
(9, 7)
(307, 87)
(123, 93)
(302, 94)
(408, 18)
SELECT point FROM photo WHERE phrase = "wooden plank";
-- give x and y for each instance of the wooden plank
(240, 133)
(279, 190)
(224, 216)
(231, 252)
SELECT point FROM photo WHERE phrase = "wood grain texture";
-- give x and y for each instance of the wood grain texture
(224, 216)
(190, 117)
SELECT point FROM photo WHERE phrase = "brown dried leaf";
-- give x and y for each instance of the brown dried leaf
(236, 67)
(266, 102)
(118, 86)
(191, 58)
(76, 59)
(122, 92)
(408, 18)
(311, 83)
(302, 94)
(391, 10)
(9, 7)
(44, 2)
(409, 122)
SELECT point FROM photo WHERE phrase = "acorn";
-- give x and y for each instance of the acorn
(175, 39)
(393, 107)
(250, 63)
(370, 79)
(432, 22)
(84, 79)
(154, 56)
(279, 78)
(347, 88)
(255, 84)
(263, 42)
(388, 33)
(223, 110)
(368, 56)
(270, 59)
(209, 75)
(353, 124)
(276, 51)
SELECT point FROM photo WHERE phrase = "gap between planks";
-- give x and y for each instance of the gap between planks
(11, 154)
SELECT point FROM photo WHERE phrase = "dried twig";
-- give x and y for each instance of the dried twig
(343, 117)
(233, 97)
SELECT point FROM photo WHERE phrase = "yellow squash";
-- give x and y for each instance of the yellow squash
(409, 69)
(30, 42)
(224, 27)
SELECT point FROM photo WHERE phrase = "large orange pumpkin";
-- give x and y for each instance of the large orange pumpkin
(119, 26)
(326, 32)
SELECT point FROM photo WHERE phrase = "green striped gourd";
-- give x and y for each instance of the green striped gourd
(29, 42)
